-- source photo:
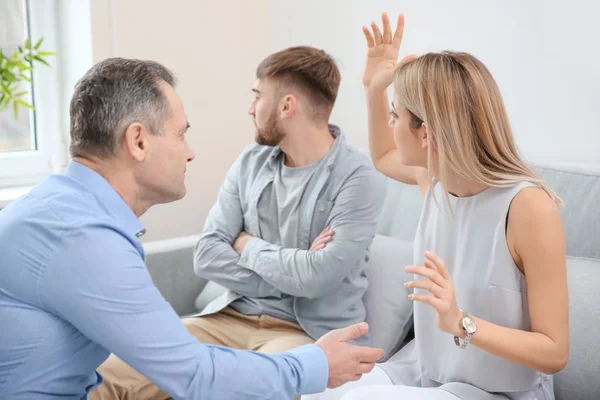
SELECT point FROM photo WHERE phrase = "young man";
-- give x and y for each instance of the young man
(290, 232)
(73, 284)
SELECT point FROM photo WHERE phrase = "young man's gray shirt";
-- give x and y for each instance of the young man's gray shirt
(286, 209)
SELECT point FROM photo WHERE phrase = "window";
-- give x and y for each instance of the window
(34, 145)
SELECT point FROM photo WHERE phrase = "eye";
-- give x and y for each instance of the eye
(393, 113)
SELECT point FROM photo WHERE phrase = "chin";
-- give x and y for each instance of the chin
(175, 195)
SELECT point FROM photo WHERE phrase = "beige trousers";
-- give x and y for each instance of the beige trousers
(226, 328)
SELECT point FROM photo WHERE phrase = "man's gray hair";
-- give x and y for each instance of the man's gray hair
(113, 94)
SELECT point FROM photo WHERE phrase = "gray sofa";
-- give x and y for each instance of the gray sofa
(170, 264)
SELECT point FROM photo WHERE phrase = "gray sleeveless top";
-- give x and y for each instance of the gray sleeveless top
(469, 234)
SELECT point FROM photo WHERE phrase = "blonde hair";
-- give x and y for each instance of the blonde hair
(457, 98)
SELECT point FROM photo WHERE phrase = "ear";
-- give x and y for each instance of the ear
(135, 141)
(288, 106)
(424, 136)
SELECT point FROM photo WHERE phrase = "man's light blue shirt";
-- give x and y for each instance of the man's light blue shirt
(74, 288)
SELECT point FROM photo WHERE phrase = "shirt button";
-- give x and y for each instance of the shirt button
(269, 274)
(321, 209)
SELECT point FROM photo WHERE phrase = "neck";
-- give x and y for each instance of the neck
(306, 145)
(120, 178)
(460, 187)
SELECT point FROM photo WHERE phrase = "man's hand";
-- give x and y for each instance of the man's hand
(346, 361)
(321, 241)
(241, 241)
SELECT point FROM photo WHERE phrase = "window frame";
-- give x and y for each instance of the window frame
(52, 90)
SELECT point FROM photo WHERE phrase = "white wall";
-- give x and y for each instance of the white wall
(213, 47)
(543, 53)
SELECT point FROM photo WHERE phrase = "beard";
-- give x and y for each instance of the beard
(271, 134)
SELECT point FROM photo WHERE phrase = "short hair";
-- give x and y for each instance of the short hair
(113, 94)
(310, 70)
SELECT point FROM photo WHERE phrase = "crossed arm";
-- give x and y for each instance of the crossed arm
(265, 269)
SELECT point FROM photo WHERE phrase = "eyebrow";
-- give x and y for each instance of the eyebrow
(256, 91)
(185, 128)
(393, 106)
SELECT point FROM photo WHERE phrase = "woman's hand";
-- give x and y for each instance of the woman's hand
(439, 283)
(382, 53)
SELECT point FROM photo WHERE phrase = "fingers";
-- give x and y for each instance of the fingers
(399, 31)
(368, 354)
(438, 263)
(428, 273)
(324, 237)
(351, 332)
(428, 299)
(376, 33)
(369, 37)
(426, 285)
(387, 30)
(365, 368)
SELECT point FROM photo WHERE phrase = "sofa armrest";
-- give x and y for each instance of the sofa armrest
(171, 265)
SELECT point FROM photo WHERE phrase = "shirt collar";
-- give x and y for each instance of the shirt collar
(107, 196)
(331, 154)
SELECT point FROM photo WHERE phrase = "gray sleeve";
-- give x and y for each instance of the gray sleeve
(311, 274)
(214, 257)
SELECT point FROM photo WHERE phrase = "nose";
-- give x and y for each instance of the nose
(191, 154)
(252, 109)
(191, 157)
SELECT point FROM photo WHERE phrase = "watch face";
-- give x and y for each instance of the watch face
(469, 325)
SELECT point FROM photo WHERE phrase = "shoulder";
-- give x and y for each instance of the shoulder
(355, 167)
(532, 206)
(534, 222)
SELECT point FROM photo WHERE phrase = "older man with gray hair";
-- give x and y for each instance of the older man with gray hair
(73, 284)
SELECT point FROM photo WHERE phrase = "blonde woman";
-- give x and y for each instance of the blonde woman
(490, 290)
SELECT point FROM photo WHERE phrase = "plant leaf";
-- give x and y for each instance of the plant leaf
(40, 59)
(39, 43)
(28, 44)
(3, 106)
(25, 104)
(46, 53)
(16, 109)
(23, 67)
(25, 78)
(5, 87)
(20, 94)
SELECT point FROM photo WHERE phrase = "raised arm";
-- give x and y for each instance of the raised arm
(382, 56)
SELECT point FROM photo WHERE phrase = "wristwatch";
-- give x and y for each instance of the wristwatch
(467, 323)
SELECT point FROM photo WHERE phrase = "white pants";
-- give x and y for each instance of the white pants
(377, 385)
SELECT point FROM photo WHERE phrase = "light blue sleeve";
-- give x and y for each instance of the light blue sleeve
(99, 283)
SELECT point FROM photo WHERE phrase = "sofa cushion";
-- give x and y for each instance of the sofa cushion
(579, 380)
(401, 211)
(389, 310)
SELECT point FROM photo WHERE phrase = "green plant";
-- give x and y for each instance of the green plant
(14, 70)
